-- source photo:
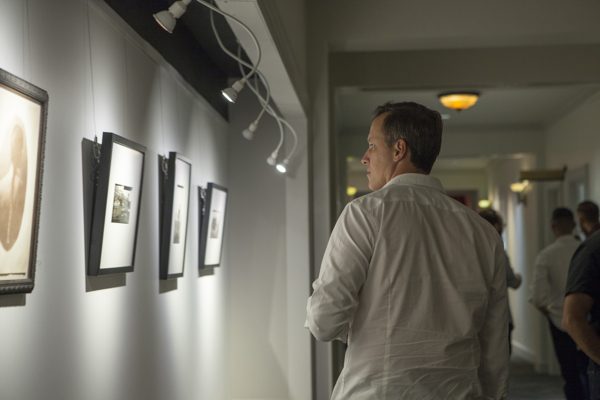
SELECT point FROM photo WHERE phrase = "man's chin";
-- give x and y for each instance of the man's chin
(374, 187)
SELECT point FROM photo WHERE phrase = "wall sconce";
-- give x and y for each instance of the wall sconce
(167, 20)
(543, 174)
(520, 188)
(484, 203)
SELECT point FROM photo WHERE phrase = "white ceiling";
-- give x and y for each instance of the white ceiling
(497, 107)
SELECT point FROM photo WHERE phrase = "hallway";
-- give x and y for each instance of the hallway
(526, 384)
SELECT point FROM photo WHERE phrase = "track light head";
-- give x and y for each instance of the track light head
(167, 19)
(248, 133)
(272, 159)
(282, 166)
(231, 93)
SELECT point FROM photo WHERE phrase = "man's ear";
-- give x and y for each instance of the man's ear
(400, 150)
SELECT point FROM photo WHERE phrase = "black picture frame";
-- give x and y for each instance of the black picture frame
(117, 200)
(213, 216)
(23, 123)
(174, 216)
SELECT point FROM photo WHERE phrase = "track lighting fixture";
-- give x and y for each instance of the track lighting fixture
(281, 122)
(168, 18)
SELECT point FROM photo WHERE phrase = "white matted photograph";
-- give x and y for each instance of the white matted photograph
(23, 116)
(116, 208)
(212, 225)
(174, 221)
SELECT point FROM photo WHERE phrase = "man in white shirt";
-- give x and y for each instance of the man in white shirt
(548, 293)
(411, 279)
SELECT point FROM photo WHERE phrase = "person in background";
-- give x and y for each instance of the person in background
(581, 309)
(411, 279)
(587, 215)
(547, 295)
(513, 279)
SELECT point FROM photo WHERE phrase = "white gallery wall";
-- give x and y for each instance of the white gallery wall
(269, 282)
(120, 336)
(257, 290)
(522, 245)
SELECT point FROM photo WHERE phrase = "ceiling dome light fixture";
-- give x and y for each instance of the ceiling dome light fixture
(459, 100)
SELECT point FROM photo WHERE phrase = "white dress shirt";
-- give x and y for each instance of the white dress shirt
(415, 282)
(550, 277)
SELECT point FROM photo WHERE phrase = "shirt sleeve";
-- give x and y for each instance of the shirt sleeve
(540, 287)
(331, 308)
(511, 278)
(493, 337)
(584, 274)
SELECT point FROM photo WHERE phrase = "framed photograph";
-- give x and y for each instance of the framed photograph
(214, 209)
(174, 221)
(116, 208)
(23, 116)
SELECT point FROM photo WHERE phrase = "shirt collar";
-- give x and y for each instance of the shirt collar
(564, 238)
(416, 179)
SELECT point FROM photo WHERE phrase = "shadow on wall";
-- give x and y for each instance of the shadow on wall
(100, 282)
(13, 300)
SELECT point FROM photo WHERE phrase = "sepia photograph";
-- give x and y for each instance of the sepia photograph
(23, 114)
(13, 183)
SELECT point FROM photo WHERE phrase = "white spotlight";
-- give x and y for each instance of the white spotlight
(248, 133)
(231, 93)
(168, 18)
(282, 167)
(272, 159)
